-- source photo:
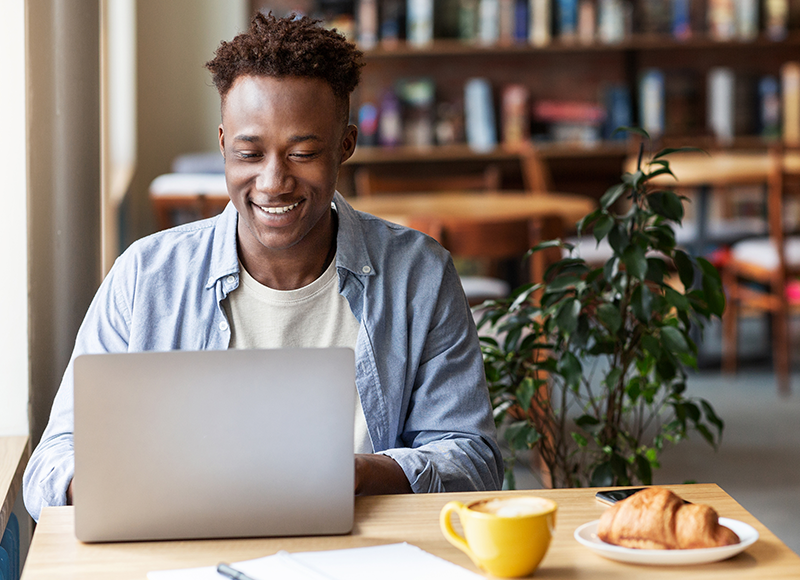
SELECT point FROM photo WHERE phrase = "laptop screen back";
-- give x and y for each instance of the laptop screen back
(212, 444)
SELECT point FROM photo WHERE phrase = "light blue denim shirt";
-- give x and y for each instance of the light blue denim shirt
(419, 370)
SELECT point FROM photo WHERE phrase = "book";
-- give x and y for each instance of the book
(747, 19)
(567, 20)
(745, 103)
(721, 104)
(419, 22)
(587, 21)
(489, 21)
(721, 20)
(776, 18)
(506, 23)
(769, 107)
(654, 17)
(390, 120)
(651, 102)
(540, 22)
(468, 20)
(514, 115)
(368, 125)
(611, 21)
(521, 21)
(446, 19)
(367, 23)
(681, 20)
(578, 122)
(683, 109)
(392, 17)
(417, 99)
(790, 93)
(618, 113)
(479, 118)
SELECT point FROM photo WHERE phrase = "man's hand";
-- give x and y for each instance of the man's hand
(69, 493)
(379, 474)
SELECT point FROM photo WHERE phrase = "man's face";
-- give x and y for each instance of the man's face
(283, 140)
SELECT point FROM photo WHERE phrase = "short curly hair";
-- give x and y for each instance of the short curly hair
(286, 47)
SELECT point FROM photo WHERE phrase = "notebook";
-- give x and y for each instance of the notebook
(214, 444)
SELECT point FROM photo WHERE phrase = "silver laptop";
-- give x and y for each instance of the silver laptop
(214, 444)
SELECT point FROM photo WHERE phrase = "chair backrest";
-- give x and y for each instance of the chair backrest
(370, 181)
(783, 180)
(536, 174)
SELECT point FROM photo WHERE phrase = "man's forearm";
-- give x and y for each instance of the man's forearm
(379, 474)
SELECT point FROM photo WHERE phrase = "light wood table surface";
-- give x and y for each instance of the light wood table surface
(56, 554)
(475, 207)
(14, 454)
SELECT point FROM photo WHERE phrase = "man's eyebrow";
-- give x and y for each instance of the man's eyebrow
(248, 138)
(294, 139)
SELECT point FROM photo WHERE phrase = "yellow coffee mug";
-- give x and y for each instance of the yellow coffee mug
(507, 537)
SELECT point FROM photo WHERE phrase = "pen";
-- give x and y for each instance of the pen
(231, 573)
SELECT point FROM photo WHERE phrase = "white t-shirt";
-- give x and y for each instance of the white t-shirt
(313, 316)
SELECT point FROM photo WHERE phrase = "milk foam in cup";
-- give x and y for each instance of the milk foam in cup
(505, 536)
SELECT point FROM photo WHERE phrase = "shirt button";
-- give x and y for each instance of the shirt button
(230, 279)
(223, 326)
(366, 269)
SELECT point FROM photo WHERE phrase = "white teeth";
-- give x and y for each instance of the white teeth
(277, 210)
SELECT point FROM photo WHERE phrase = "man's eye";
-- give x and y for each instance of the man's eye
(245, 155)
(303, 155)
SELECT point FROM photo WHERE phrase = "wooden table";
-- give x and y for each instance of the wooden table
(14, 453)
(517, 215)
(56, 554)
(475, 207)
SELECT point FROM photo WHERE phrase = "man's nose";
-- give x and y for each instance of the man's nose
(273, 176)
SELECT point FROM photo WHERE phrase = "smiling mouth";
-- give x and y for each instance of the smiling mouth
(278, 210)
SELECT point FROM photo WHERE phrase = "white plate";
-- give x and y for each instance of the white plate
(587, 535)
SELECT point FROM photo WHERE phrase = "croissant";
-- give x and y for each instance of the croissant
(657, 519)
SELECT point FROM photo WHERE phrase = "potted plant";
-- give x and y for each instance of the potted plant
(588, 367)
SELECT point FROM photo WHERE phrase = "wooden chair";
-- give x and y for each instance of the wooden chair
(755, 277)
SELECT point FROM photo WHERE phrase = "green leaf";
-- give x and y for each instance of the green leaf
(643, 470)
(579, 439)
(587, 421)
(517, 435)
(602, 475)
(611, 195)
(674, 339)
(711, 416)
(635, 261)
(609, 316)
(676, 299)
(602, 226)
(611, 268)
(567, 317)
(618, 238)
(656, 270)
(525, 393)
(570, 368)
(651, 345)
(666, 204)
(685, 268)
(641, 302)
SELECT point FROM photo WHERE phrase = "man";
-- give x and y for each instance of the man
(290, 263)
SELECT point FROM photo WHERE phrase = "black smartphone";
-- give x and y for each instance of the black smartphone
(612, 496)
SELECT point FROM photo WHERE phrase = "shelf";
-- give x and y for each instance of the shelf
(372, 155)
(640, 42)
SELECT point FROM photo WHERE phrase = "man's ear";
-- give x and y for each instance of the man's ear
(348, 142)
(222, 140)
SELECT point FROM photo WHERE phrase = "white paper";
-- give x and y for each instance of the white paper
(389, 562)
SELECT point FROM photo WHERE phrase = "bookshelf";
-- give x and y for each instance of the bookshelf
(576, 71)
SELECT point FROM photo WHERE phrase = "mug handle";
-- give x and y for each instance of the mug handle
(446, 523)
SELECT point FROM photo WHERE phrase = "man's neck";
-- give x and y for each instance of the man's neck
(295, 267)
